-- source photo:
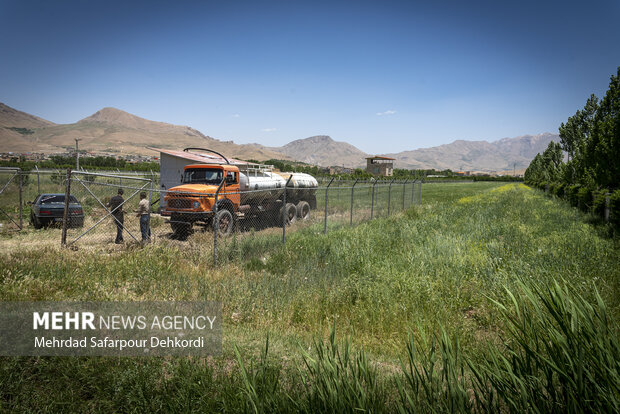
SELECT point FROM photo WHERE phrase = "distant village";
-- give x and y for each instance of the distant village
(40, 156)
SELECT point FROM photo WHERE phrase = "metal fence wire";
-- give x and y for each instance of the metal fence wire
(103, 208)
(269, 216)
(11, 203)
(88, 210)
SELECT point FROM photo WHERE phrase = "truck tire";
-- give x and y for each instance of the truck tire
(288, 213)
(312, 201)
(180, 229)
(224, 222)
(303, 210)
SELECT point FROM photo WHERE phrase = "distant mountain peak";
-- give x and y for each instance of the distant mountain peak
(322, 150)
(116, 116)
(316, 139)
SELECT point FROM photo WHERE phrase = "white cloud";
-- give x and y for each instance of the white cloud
(390, 112)
(236, 115)
(268, 129)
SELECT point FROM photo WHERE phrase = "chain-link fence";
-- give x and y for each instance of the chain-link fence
(91, 210)
(11, 203)
(102, 208)
(269, 216)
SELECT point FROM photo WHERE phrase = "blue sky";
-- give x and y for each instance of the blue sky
(385, 76)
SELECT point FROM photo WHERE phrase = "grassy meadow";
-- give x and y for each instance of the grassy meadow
(486, 297)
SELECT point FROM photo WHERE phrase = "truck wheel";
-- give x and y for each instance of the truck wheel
(303, 210)
(224, 222)
(289, 213)
(312, 202)
(180, 229)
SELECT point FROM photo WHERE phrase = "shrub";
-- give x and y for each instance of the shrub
(584, 197)
(571, 194)
(614, 207)
(598, 202)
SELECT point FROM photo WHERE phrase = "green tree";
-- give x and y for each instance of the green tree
(603, 148)
(533, 173)
(551, 161)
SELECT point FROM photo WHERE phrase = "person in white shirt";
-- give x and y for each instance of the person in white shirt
(144, 214)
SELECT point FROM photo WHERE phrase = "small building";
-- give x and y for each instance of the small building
(335, 170)
(380, 166)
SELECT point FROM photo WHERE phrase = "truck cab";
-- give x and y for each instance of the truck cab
(194, 200)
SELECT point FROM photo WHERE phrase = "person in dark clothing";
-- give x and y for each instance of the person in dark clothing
(116, 208)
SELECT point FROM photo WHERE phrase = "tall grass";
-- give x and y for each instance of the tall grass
(560, 354)
(498, 299)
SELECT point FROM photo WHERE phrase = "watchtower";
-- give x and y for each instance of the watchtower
(380, 166)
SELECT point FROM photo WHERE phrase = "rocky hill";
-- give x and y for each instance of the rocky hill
(322, 150)
(502, 155)
(17, 129)
(112, 131)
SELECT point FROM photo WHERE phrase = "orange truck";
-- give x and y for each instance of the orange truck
(222, 196)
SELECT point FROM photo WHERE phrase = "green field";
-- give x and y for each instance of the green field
(425, 305)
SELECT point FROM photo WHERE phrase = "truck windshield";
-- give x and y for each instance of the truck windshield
(202, 176)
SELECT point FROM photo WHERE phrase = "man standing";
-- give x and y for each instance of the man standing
(143, 213)
(116, 207)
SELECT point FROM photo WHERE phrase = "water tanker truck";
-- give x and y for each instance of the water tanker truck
(247, 194)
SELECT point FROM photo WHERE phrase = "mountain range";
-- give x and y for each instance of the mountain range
(113, 131)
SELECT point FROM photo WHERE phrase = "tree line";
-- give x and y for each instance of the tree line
(584, 167)
(88, 163)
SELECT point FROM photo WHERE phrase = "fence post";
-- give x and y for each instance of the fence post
(404, 191)
(607, 203)
(352, 193)
(420, 192)
(150, 198)
(21, 189)
(326, 190)
(372, 203)
(284, 210)
(215, 223)
(65, 214)
(413, 192)
(390, 195)
(38, 181)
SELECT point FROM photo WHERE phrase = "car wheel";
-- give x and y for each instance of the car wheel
(36, 223)
(76, 222)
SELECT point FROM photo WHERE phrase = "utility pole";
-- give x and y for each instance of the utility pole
(514, 169)
(77, 155)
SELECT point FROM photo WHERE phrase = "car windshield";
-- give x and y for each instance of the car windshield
(202, 176)
(56, 198)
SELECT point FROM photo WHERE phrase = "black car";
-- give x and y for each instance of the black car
(48, 209)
